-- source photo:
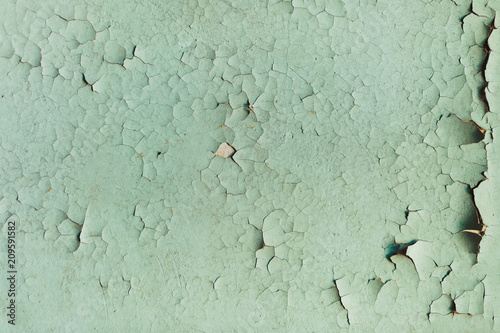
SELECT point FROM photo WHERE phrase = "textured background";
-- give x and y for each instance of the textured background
(362, 130)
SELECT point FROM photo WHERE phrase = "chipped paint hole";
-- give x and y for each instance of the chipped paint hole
(398, 248)
(468, 241)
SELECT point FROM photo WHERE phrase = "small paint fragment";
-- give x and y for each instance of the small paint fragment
(225, 150)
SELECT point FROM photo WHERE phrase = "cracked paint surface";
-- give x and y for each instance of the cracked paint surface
(242, 166)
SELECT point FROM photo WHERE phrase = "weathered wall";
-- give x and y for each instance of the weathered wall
(362, 194)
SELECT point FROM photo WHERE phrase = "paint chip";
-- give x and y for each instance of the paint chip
(225, 150)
